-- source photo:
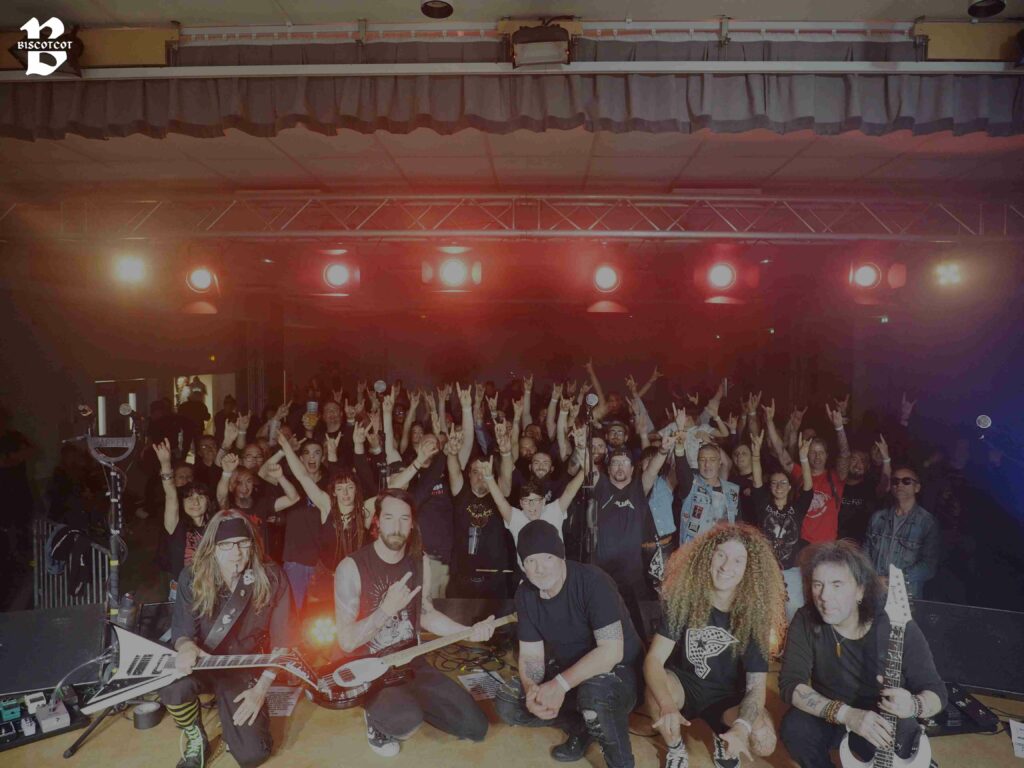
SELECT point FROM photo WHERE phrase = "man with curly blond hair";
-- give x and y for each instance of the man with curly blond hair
(723, 604)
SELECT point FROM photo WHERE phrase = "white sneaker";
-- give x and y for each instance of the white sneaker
(382, 744)
(677, 757)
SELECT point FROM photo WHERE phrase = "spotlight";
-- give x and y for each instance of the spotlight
(321, 631)
(983, 9)
(606, 278)
(865, 275)
(436, 9)
(453, 273)
(130, 269)
(454, 250)
(722, 276)
(948, 273)
(336, 275)
(200, 279)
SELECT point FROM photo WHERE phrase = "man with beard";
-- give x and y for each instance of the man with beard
(707, 498)
(381, 602)
(864, 489)
(332, 434)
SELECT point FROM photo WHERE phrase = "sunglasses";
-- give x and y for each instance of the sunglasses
(903, 480)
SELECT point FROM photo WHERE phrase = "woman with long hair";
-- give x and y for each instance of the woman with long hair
(723, 616)
(780, 514)
(186, 511)
(228, 584)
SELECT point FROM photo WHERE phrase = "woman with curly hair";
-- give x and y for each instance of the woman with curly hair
(723, 602)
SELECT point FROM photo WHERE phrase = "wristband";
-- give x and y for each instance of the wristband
(562, 683)
(918, 707)
(744, 723)
(226, 473)
(840, 429)
(841, 713)
(887, 461)
(166, 475)
(416, 466)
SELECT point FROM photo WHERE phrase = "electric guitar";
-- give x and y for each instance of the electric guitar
(897, 607)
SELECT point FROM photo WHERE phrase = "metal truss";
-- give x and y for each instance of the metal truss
(317, 216)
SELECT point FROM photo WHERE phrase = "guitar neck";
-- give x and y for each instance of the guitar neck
(884, 758)
(399, 658)
(237, 661)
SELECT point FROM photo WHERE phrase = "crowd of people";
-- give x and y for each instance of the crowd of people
(583, 506)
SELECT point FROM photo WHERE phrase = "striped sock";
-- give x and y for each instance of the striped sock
(186, 714)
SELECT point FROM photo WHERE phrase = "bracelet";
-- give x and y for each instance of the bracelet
(744, 723)
(831, 710)
(918, 707)
(841, 713)
(840, 429)
(226, 473)
(562, 683)
(887, 461)
(166, 475)
(416, 467)
(663, 453)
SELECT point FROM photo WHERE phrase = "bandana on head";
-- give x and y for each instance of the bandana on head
(232, 528)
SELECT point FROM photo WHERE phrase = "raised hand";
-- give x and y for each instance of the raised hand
(282, 411)
(350, 410)
(388, 404)
(657, 374)
(679, 417)
(492, 405)
(331, 445)
(835, 416)
(906, 407)
(589, 365)
(425, 451)
(564, 404)
(528, 384)
(769, 410)
(243, 421)
(843, 405)
(465, 396)
(229, 462)
(756, 440)
(274, 471)
(414, 402)
(503, 437)
(398, 596)
(732, 422)
(669, 442)
(694, 398)
(574, 412)
(883, 448)
(517, 409)
(556, 391)
(453, 444)
(571, 386)
(804, 446)
(631, 386)
(163, 454)
(358, 434)
(230, 434)
(487, 468)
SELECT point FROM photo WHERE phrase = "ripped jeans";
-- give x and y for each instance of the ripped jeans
(600, 706)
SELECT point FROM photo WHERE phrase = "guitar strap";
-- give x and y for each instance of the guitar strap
(230, 612)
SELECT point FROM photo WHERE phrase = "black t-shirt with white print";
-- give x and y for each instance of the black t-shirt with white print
(706, 661)
(624, 524)
(782, 526)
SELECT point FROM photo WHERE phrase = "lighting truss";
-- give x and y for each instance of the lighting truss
(689, 217)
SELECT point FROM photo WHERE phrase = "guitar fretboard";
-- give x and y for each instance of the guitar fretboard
(893, 677)
(223, 662)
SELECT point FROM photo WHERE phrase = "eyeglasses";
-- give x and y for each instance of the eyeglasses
(779, 483)
(903, 480)
(227, 546)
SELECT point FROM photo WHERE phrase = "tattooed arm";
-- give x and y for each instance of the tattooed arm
(753, 699)
(808, 700)
(352, 633)
(601, 659)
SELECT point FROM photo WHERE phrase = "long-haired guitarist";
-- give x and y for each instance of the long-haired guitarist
(838, 642)
(230, 601)
(380, 594)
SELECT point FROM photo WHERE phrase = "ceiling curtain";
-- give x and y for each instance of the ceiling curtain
(827, 104)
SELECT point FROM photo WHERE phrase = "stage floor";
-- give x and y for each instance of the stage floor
(317, 738)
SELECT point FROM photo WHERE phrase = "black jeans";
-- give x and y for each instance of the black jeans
(432, 697)
(249, 744)
(600, 705)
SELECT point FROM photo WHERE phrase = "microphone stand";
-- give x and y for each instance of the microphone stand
(588, 542)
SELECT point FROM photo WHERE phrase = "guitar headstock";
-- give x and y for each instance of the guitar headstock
(897, 602)
(291, 661)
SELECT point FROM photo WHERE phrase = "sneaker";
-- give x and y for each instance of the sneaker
(677, 757)
(381, 743)
(572, 749)
(194, 747)
(719, 757)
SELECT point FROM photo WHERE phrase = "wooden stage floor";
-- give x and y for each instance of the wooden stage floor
(314, 738)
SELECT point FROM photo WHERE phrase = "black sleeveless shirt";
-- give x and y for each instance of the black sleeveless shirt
(375, 577)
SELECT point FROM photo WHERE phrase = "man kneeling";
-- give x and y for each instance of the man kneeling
(578, 652)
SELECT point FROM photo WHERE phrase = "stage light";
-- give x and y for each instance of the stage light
(453, 273)
(983, 9)
(606, 278)
(884, 319)
(130, 269)
(722, 276)
(454, 250)
(865, 275)
(336, 275)
(948, 273)
(200, 279)
(321, 631)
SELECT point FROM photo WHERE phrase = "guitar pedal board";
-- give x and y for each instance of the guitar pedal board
(964, 714)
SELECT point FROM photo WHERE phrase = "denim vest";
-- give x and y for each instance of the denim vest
(698, 512)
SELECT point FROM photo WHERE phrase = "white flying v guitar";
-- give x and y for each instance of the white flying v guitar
(144, 666)
(897, 607)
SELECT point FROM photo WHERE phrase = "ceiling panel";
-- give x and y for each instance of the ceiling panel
(650, 169)
(924, 167)
(469, 170)
(979, 143)
(827, 168)
(753, 169)
(139, 170)
(302, 142)
(424, 142)
(135, 146)
(640, 144)
(759, 143)
(234, 145)
(353, 170)
(39, 151)
(273, 170)
(856, 144)
(577, 141)
(539, 169)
